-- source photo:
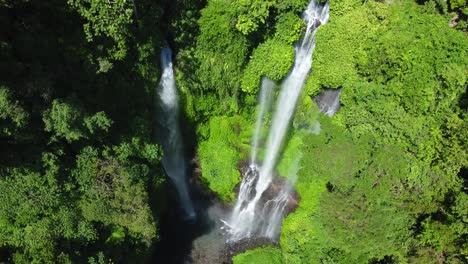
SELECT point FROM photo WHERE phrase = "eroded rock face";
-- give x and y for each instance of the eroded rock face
(328, 101)
(212, 247)
(253, 173)
(317, 23)
(276, 202)
(232, 249)
(215, 252)
(275, 187)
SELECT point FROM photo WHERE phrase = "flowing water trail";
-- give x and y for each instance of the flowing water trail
(265, 100)
(244, 219)
(274, 209)
(266, 96)
(170, 137)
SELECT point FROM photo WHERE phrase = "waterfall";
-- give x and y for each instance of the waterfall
(245, 218)
(169, 135)
(273, 210)
(266, 96)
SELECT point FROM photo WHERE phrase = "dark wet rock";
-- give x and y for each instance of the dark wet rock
(211, 247)
(278, 184)
(317, 23)
(456, 19)
(232, 249)
(275, 187)
(328, 101)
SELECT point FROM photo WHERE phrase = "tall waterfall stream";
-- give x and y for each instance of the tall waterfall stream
(170, 138)
(250, 217)
(216, 232)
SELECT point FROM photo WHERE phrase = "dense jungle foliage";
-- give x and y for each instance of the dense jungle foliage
(385, 180)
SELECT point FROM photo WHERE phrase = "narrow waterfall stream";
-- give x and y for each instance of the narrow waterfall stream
(274, 209)
(247, 215)
(256, 218)
(169, 134)
(265, 99)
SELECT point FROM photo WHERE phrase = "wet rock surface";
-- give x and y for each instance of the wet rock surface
(232, 249)
(212, 247)
(204, 240)
(317, 23)
(328, 101)
(275, 187)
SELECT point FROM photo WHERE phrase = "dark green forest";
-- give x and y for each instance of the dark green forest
(81, 179)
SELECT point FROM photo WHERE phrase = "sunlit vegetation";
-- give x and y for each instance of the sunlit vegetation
(383, 182)
(77, 155)
(226, 145)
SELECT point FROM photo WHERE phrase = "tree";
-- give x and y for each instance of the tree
(12, 115)
(35, 213)
(364, 212)
(106, 18)
(66, 120)
(251, 14)
(114, 191)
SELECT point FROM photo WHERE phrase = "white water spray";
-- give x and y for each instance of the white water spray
(170, 138)
(244, 220)
(266, 96)
(274, 209)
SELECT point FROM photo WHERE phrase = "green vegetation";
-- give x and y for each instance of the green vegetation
(12, 114)
(114, 190)
(220, 155)
(383, 181)
(110, 19)
(260, 255)
(272, 59)
(77, 162)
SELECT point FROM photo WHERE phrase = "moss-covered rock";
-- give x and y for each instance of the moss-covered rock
(226, 143)
(264, 255)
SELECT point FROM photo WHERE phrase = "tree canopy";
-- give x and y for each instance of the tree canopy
(383, 181)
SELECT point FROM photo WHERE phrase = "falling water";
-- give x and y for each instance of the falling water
(170, 138)
(265, 99)
(244, 220)
(273, 210)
